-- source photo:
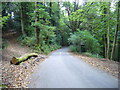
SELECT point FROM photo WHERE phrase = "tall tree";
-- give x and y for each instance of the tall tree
(108, 33)
(119, 45)
(22, 20)
(36, 21)
(70, 8)
(116, 30)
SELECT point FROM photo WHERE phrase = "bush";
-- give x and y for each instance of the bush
(84, 37)
(38, 48)
(47, 40)
(30, 30)
(73, 48)
(45, 49)
(28, 41)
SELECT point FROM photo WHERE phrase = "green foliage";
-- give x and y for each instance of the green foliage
(28, 41)
(97, 17)
(42, 15)
(39, 48)
(68, 6)
(92, 55)
(84, 37)
(30, 31)
(3, 20)
(55, 25)
(73, 48)
(47, 33)
(46, 49)
(62, 33)
(8, 22)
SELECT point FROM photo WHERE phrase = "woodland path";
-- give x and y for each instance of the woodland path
(13, 48)
(63, 70)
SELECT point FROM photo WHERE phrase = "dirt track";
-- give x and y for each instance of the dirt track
(14, 76)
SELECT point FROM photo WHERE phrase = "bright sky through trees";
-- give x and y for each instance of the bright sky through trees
(79, 1)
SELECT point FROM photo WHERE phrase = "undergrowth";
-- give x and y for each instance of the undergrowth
(38, 48)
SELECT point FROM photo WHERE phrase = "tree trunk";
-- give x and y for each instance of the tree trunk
(104, 35)
(23, 58)
(119, 50)
(108, 34)
(36, 21)
(116, 30)
(50, 9)
(105, 48)
(50, 13)
(104, 45)
(59, 10)
(108, 42)
(22, 23)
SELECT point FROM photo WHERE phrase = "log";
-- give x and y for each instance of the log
(23, 58)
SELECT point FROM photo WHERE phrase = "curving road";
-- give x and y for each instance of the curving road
(62, 70)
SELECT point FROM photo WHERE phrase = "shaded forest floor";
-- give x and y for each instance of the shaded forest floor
(103, 64)
(16, 75)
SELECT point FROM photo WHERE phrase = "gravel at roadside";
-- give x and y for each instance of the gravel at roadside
(103, 64)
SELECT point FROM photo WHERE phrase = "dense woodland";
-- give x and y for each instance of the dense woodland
(92, 28)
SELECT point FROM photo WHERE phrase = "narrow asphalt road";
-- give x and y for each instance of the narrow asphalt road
(62, 70)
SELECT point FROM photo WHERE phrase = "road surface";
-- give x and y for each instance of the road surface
(62, 70)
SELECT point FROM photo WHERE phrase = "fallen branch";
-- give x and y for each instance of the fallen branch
(23, 58)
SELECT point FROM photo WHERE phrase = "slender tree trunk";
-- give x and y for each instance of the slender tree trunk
(105, 48)
(50, 13)
(22, 23)
(59, 10)
(108, 34)
(119, 50)
(36, 21)
(50, 9)
(104, 35)
(108, 43)
(104, 45)
(116, 30)
(114, 44)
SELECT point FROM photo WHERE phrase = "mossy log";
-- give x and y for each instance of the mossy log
(23, 58)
